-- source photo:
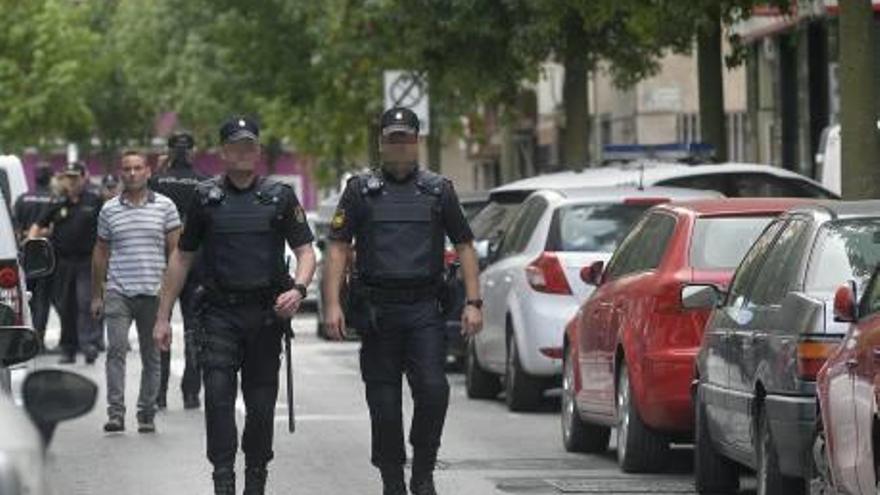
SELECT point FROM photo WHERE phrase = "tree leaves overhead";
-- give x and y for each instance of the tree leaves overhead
(312, 71)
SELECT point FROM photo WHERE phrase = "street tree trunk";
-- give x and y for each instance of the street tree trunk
(575, 142)
(435, 141)
(710, 73)
(860, 146)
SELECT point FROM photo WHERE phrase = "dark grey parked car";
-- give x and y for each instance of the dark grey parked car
(756, 370)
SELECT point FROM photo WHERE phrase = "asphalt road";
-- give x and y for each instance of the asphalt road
(486, 449)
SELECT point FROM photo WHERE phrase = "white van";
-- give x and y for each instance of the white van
(13, 182)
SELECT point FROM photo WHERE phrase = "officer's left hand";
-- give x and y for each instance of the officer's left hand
(287, 304)
(471, 321)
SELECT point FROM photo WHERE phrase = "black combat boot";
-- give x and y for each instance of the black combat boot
(392, 481)
(224, 481)
(255, 480)
(422, 481)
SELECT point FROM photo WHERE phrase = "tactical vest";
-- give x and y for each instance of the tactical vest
(243, 248)
(401, 241)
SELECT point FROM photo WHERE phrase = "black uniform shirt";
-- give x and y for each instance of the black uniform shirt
(350, 214)
(294, 227)
(30, 207)
(179, 184)
(74, 225)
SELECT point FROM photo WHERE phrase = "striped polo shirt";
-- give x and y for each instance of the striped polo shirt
(136, 236)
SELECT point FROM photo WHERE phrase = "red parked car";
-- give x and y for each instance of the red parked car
(847, 442)
(629, 351)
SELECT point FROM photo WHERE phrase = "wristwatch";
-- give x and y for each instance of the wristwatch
(477, 303)
(302, 289)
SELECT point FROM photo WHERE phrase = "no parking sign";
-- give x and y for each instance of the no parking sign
(408, 89)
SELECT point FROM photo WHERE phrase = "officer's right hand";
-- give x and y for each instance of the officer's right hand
(334, 321)
(162, 334)
(97, 307)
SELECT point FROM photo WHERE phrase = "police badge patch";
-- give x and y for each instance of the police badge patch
(338, 219)
(299, 214)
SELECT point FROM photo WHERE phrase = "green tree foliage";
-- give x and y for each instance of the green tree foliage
(45, 48)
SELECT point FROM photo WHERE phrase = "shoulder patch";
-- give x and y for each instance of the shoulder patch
(338, 220)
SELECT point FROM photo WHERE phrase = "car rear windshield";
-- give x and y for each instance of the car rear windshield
(720, 243)
(847, 249)
(592, 227)
(492, 220)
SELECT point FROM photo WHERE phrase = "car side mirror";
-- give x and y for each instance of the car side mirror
(701, 296)
(38, 258)
(17, 345)
(52, 396)
(845, 309)
(592, 273)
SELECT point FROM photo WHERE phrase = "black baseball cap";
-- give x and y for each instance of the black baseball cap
(239, 127)
(399, 119)
(181, 139)
(75, 168)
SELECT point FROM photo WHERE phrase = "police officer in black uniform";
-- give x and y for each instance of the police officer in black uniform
(72, 220)
(178, 181)
(28, 209)
(241, 222)
(398, 217)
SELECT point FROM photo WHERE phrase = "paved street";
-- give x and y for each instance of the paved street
(487, 450)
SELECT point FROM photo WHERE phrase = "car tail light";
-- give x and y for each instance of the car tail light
(552, 352)
(8, 277)
(545, 274)
(645, 201)
(811, 356)
(10, 297)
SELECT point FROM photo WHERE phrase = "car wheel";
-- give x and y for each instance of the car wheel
(524, 392)
(713, 473)
(770, 480)
(639, 448)
(479, 383)
(819, 479)
(577, 434)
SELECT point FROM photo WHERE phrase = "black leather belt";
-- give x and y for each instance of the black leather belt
(238, 298)
(401, 295)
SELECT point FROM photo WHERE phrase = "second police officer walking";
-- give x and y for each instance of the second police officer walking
(399, 217)
(178, 181)
(241, 222)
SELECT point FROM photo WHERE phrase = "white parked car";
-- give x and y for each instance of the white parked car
(13, 182)
(532, 285)
(733, 180)
(50, 396)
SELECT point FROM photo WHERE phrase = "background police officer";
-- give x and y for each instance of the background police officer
(28, 209)
(178, 181)
(241, 222)
(72, 220)
(398, 218)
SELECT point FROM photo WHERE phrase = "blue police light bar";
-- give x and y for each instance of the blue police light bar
(677, 152)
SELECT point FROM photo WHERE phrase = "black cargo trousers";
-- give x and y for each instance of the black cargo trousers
(240, 337)
(405, 339)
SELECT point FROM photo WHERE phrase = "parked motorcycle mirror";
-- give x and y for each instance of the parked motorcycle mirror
(845, 309)
(53, 396)
(700, 296)
(38, 258)
(592, 273)
(17, 345)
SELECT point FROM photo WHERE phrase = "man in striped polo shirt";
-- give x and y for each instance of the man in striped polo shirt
(136, 232)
